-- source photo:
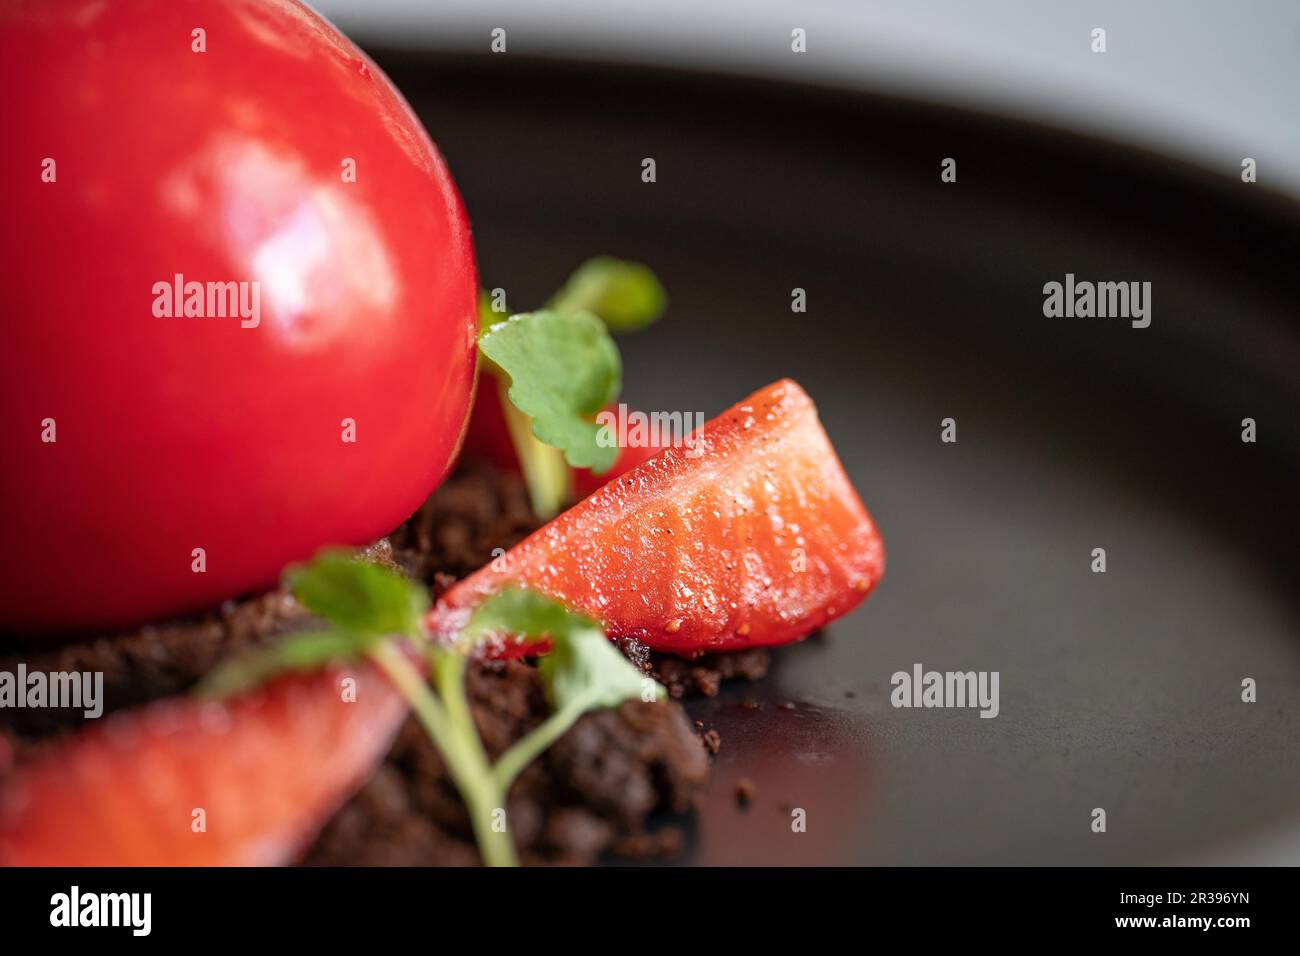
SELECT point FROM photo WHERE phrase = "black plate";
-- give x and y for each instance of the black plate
(1119, 690)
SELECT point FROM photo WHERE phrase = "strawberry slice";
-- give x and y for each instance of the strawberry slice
(266, 769)
(586, 481)
(758, 539)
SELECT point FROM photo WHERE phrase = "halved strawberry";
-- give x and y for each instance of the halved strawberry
(266, 769)
(759, 539)
(586, 481)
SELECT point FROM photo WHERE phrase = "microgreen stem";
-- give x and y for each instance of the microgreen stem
(447, 720)
(525, 750)
(547, 475)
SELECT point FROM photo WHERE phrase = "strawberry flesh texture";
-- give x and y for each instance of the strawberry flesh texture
(758, 540)
(267, 768)
(586, 481)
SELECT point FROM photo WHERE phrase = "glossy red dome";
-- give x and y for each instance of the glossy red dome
(167, 162)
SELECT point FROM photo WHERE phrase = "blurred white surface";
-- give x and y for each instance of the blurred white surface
(1212, 81)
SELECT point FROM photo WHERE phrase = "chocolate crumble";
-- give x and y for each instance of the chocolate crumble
(595, 792)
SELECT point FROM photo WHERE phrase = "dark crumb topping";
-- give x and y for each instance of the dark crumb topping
(590, 794)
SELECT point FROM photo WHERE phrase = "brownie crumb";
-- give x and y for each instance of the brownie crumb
(155, 661)
(475, 512)
(705, 674)
(639, 654)
(745, 790)
(589, 794)
(664, 843)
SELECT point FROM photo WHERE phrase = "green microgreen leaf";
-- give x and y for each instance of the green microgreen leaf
(626, 296)
(583, 671)
(297, 653)
(357, 596)
(523, 613)
(563, 368)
